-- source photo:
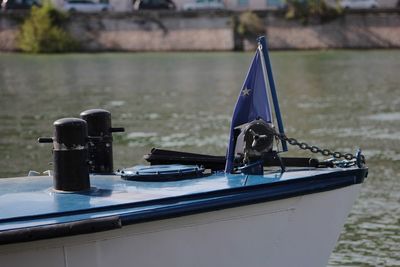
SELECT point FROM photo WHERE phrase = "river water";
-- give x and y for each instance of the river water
(335, 99)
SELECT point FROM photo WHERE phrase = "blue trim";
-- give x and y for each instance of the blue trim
(235, 200)
(359, 173)
(183, 205)
(262, 40)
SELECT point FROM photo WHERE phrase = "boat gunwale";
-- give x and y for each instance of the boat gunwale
(178, 206)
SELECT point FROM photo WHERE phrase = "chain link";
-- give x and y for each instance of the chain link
(314, 149)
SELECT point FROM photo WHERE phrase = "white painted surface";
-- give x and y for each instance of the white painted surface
(121, 5)
(299, 231)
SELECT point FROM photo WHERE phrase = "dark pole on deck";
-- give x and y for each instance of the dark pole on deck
(262, 40)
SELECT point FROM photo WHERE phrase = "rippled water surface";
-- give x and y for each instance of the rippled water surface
(335, 99)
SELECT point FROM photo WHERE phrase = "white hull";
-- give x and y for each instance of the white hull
(299, 231)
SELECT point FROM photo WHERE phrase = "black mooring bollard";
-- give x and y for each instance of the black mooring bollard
(70, 155)
(100, 140)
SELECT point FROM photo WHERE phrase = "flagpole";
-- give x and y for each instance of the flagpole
(263, 42)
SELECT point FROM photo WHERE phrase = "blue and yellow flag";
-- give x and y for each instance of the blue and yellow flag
(253, 103)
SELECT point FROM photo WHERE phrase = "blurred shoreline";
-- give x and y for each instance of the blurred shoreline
(217, 31)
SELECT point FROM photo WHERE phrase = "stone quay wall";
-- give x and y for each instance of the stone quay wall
(215, 31)
(154, 32)
(365, 30)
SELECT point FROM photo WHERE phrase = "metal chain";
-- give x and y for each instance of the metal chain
(314, 149)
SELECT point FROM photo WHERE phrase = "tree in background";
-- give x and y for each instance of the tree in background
(306, 10)
(250, 25)
(247, 27)
(43, 32)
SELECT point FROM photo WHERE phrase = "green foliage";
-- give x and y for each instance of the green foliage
(250, 25)
(307, 10)
(42, 32)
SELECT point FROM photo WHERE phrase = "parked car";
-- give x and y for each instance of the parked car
(154, 4)
(19, 4)
(358, 4)
(86, 6)
(204, 4)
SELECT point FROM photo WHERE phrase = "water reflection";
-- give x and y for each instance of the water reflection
(335, 99)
